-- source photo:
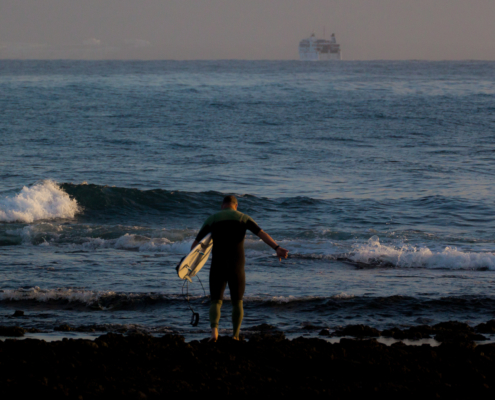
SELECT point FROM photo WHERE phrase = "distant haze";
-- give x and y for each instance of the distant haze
(245, 29)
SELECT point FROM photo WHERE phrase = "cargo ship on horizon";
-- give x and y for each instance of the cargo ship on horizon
(313, 49)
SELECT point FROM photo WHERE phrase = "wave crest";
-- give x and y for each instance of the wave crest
(45, 200)
(374, 253)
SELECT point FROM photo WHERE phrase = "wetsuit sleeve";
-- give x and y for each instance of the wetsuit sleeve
(252, 226)
(205, 229)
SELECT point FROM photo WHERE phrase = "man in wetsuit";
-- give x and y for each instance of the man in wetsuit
(228, 229)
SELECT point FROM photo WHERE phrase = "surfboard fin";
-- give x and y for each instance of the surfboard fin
(195, 319)
(189, 279)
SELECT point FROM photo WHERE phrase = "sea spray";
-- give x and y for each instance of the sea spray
(42, 201)
(408, 256)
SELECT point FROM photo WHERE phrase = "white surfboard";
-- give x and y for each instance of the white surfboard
(190, 265)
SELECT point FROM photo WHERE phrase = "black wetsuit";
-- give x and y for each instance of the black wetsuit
(228, 229)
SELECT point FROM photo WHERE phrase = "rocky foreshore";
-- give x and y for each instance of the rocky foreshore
(141, 366)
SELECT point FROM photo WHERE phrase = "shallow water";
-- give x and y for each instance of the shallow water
(377, 176)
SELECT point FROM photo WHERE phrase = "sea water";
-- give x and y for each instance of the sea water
(378, 177)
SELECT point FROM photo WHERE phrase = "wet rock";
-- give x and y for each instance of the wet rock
(137, 332)
(324, 332)
(357, 331)
(14, 331)
(456, 332)
(272, 337)
(18, 313)
(419, 332)
(131, 367)
(453, 326)
(486, 351)
(488, 327)
(451, 337)
(395, 333)
(63, 328)
(478, 337)
(455, 337)
(264, 328)
(451, 331)
(310, 327)
(412, 333)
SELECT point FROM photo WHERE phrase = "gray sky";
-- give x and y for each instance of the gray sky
(245, 29)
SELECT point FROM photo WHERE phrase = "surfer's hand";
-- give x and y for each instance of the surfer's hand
(282, 253)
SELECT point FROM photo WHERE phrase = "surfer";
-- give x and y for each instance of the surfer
(228, 229)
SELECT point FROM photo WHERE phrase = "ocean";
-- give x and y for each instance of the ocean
(378, 177)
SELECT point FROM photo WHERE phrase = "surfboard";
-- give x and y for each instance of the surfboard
(191, 264)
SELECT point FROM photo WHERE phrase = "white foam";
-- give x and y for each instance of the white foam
(30, 232)
(88, 297)
(342, 296)
(44, 200)
(44, 295)
(291, 298)
(140, 243)
(408, 256)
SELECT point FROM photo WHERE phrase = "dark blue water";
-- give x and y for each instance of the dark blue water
(377, 176)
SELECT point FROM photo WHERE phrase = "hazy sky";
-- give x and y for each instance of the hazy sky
(246, 29)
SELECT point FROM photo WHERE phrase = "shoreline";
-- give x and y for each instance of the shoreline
(140, 366)
(434, 335)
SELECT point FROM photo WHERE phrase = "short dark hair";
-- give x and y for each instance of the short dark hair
(229, 200)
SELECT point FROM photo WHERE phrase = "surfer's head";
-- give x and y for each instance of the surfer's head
(229, 202)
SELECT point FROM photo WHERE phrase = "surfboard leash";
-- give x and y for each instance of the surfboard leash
(195, 315)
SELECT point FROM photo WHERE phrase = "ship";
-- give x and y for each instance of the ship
(313, 49)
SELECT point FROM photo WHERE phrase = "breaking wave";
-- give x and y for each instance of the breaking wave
(45, 200)
(137, 243)
(343, 303)
(373, 253)
(112, 300)
(98, 300)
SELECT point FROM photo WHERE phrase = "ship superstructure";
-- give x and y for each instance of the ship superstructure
(313, 49)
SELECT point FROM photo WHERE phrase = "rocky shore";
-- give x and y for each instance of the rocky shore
(141, 366)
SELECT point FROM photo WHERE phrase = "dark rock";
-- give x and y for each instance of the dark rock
(137, 332)
(18, 313)
(310, 327)
(272, 337)
(14, 331)
(263, 328)
(419, 332)
(451, 331)
(454, 337)
(395, 333)
(64, 328)
(450, 337)
(130, 367)
(488, 327)
(324, 332)
(453, 326)
(357, 331)
(478, 337)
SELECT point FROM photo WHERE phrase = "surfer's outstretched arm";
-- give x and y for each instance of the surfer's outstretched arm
(281, 252)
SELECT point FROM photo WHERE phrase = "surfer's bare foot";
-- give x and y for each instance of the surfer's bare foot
(214, 335)
(235, 338)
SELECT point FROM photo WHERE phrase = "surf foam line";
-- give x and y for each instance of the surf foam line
(87, 300)
(42, 201)
(373, 253)
(109, 298)
(99, 300)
